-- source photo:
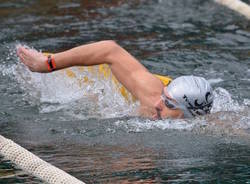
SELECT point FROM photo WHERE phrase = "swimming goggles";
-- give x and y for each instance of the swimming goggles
(169, 103)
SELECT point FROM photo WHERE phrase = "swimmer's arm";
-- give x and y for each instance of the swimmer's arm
(103, 52)
(85, 55)
(128, 71)
(123, 65)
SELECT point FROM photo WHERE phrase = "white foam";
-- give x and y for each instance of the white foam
(214, 81)
(56, 91)
(224, 102)
(141, 125)
(246, 102)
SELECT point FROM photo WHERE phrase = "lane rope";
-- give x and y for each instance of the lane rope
(32, 164)
(236, 5)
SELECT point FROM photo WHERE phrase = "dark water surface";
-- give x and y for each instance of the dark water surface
(100, 141)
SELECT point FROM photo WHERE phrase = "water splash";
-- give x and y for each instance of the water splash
(227, 117)
(98, 98)
(77, 96)
(142, 125)
(224, 102)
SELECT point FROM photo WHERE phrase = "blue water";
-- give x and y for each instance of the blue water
(89, 131)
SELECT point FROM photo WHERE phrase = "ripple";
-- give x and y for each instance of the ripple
(100, 141)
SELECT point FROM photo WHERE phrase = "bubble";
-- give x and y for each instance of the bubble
(224, 102)
(80, 92)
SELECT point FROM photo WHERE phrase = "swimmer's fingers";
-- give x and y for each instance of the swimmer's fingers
(34, 60)
(23, 55)
(18, 51)
(24, 51)
(24, 60)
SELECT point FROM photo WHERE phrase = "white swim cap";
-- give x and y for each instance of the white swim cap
(194, 95)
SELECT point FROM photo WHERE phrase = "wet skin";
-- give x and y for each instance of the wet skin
(130, 72)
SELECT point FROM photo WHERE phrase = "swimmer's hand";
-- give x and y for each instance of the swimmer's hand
(34, 60)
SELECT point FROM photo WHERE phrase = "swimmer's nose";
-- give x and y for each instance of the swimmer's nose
(159, 105)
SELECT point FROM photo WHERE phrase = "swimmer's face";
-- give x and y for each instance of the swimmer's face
(167, 108)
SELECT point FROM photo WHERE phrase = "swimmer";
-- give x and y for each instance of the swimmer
(184, 97)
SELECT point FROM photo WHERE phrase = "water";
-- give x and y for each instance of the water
(90, 131)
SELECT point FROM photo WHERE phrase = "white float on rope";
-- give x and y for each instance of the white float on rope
(34, 165)
(237, 6)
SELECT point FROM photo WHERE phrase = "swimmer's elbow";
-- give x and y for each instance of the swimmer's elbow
(115, 51)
